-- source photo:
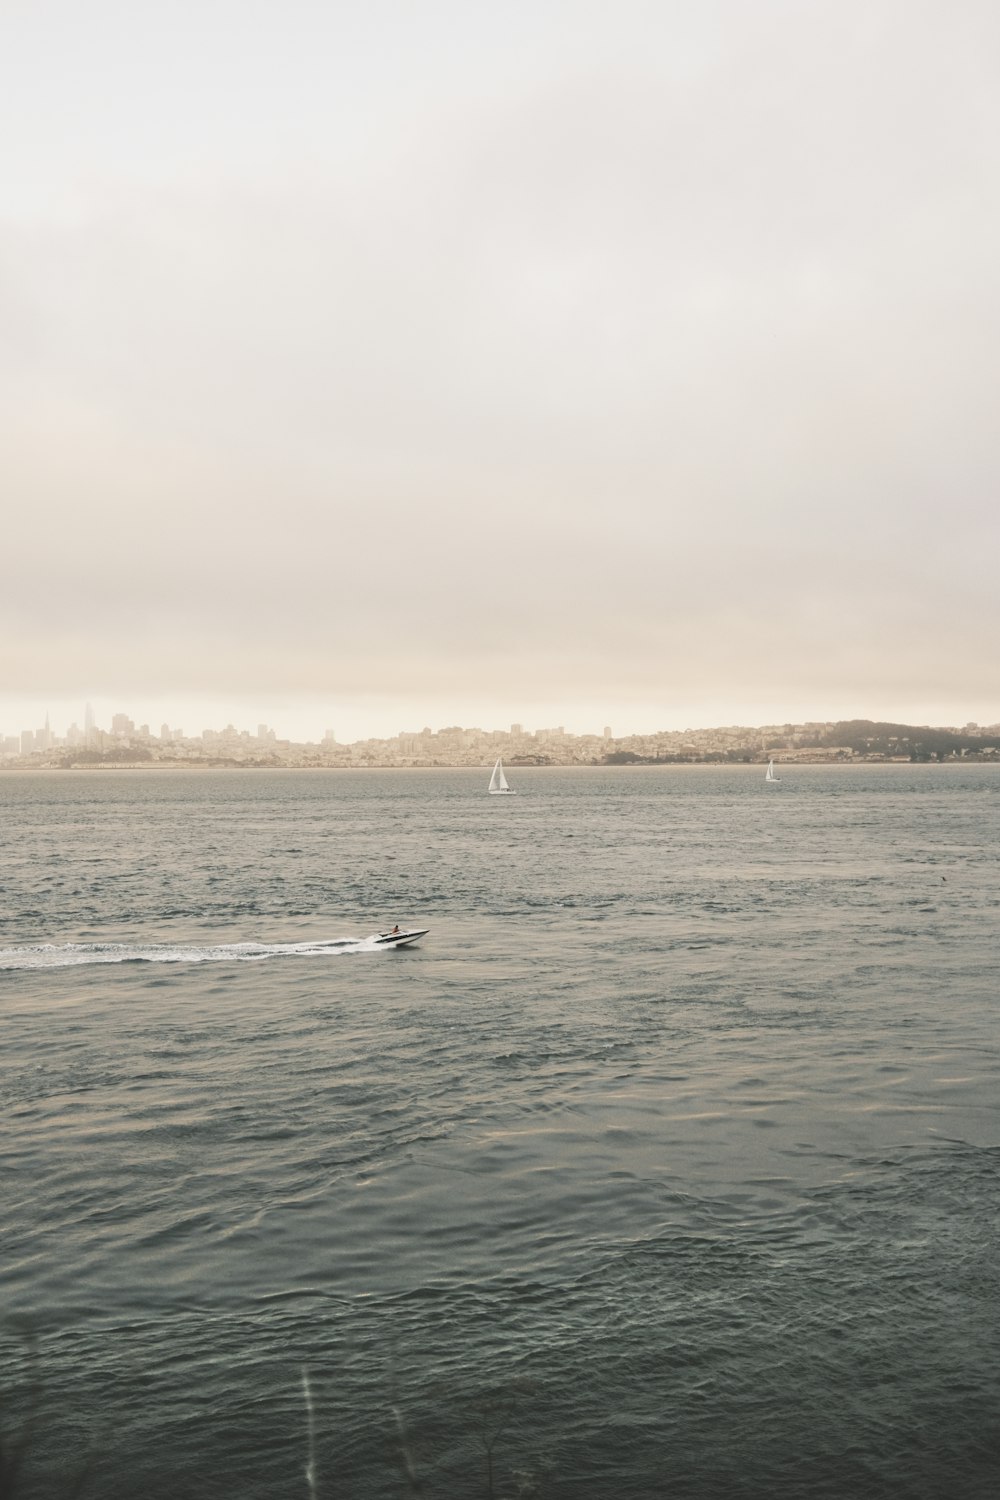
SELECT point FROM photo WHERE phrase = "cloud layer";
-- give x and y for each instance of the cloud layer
(551, 357)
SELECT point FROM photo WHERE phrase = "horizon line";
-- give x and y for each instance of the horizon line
(513, 730)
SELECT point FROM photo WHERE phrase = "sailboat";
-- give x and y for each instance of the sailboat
(769, 774)
(498, 781)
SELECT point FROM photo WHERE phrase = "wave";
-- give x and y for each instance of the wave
(70, 955)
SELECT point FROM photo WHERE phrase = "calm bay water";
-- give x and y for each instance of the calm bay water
(667, 1165)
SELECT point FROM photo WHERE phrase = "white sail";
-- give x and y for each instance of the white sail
(769, 774)
(498, 781)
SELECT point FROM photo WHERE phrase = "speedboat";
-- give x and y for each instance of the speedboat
(398, 939)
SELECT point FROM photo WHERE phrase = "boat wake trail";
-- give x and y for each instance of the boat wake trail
(71, 955)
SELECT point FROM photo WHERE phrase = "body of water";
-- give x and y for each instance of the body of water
(666, 1165)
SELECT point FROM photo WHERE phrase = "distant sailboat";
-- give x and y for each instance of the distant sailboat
(769, 774)
(498, 781)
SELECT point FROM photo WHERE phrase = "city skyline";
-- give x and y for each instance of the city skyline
(91, 726)
(370, 367)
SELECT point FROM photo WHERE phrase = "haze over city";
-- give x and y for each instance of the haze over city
(374, 367)
(125, 744)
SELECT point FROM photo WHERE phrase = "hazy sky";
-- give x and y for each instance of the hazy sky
(373, 365)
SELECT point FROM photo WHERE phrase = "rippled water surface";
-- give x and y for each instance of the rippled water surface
(666, 1165)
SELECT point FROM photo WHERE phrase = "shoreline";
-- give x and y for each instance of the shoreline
(638, 765)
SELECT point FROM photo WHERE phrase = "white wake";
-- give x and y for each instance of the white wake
(70, 955)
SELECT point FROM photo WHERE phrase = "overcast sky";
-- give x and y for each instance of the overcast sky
(373, 365)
